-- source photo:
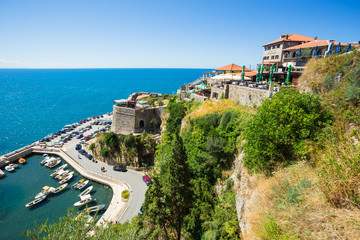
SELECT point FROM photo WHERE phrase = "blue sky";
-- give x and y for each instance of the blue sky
(161, 34)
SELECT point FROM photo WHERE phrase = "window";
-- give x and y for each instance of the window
(278, 46)
(142, 124)
(272, 57)
(276, 56)
(266, 48)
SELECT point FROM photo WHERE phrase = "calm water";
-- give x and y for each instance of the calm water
(20, 187)
(36, 102)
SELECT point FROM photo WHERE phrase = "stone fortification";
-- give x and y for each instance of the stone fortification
(247, 96)
(130, 120)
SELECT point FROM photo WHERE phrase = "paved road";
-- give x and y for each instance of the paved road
(132, 178)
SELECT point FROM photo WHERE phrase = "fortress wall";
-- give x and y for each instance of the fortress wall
(247, 96)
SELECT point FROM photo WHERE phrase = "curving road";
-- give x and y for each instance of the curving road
(132, 178)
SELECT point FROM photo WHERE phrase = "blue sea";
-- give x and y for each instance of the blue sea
(37, 102)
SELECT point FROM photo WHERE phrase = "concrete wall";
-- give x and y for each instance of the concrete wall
(198, 97)
(128, 120)
(247, 96)
(216, 93)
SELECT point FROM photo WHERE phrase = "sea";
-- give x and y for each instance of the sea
(37, 102)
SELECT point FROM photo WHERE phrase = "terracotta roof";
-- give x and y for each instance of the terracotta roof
(291, 37)
(232, 67)
(249, 73)
(314, 43)
(269, 63)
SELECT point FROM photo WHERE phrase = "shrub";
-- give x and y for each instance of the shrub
(125, 194)
(279, 130)
(129, 141)
(105, 152)
(111, 140)
(155, 124)
(92, 146)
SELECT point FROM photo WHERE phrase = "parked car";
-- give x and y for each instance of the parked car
(82, 151)
(147, 180)
(120, 168)
(89, 156)
(79, 136)
(78, 146)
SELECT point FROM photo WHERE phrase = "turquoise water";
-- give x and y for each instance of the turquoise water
(20, 187)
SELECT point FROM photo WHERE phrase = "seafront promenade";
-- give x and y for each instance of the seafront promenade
(118, 210)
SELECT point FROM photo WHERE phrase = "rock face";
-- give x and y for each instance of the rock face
(244, 195)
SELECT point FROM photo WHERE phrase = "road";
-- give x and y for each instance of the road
(132, 178)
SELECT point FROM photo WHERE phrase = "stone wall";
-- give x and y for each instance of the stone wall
(198, 97)
(247, 96)
(128, 120)
(216, 93)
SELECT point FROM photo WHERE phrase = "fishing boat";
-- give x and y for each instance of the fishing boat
(53, 163)
(82, 185)
(57, 170)
(95, 208)
(61, 173)
(83, 200)
(9, 168)
(70, 176)
(78, 183)
(86, 191)
(22, 160)
(60, 188)
(46, 190)
(36, 201)
(14, 165)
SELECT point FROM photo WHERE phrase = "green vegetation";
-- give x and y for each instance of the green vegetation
(92, 146)
(125, 194)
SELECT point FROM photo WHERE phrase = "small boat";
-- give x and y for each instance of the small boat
(45, 155)
(57, 170)
(61, 173)
(2, 174)
(70, 176)
(60, 188)
(83, 200)
(77, 183)
(94, 208)
(14, 165)
(82, 185)
(44, 160)
(22, 160)
(64, 176)
(86, 191)
(36, 201)
(9, 168)
(53, 163)
(46, 191)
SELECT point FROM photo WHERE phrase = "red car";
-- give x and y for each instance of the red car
(147, 180)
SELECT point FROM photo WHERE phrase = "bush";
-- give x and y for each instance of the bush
(125, 194)
(279, 130)
(129, 141)
(155, 124)
(111, 140)
(92, 146)
(105, 152)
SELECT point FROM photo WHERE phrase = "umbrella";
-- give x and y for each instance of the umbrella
(261, 72)
(329, 49)
(316, 51)
(348, 48)
(191, 91)
(311, 51)
(299, 53)
(288, 74)
(243, 73)
(338, 48)
(271, 73)
(258, 73)
(202, 87)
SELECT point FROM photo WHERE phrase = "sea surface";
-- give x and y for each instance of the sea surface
(37, 102)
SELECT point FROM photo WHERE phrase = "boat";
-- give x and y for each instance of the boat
(83, 200)
(22, 160)
(77, 183)
(36, 201)
(46, 191)
(70, 176)
(86, 191)
(61, 173)
(82, 185)
(45, 155)
(95, 208)
(47, 160)
(2, 174)
(60, 188)
(9, 168)
(64, 176)
(53, 163)
(14, 165)
(57, 170)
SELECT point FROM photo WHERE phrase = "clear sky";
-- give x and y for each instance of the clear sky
(161, 34)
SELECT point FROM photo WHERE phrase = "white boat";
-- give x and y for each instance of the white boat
(9, 168)
(86, 191)
(82, 185)
(14, 165)
(47, 160)
(83, 200)
(94, 208)
(60, 188)
(46, 191)
(64, 176)
(61, 173)
(53, 163)
(36, 201)
(70, 176)
(44, 160)
(78, 183)
(57, 170)
(2, 174)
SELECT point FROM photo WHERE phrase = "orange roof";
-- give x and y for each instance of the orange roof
(249, 73)
(269, 63)
(311, 44)
(232, 67)
(292, 37)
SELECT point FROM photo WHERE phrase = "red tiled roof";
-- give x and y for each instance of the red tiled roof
(232, 67)
(314, 43)
(292, 37)
(270, 63)
(249, 73)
